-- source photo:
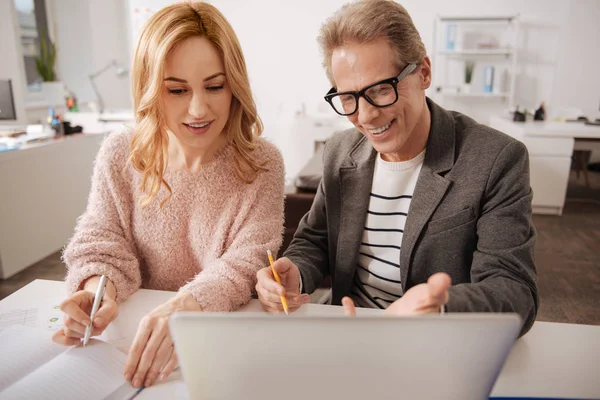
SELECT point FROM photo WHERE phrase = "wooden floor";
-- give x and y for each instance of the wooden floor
(567, 258)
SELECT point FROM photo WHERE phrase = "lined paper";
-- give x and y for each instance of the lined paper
(22, 351)
(91, 372)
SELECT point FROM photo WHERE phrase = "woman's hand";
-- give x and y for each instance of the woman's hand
(152, 351)
(77, 309)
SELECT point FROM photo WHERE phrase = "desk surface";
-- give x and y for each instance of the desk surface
(576, 130)
(552, 360)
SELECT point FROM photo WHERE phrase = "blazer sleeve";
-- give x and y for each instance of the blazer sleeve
(309, 249)
(503, 273)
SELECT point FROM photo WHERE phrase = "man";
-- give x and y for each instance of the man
(416, 197)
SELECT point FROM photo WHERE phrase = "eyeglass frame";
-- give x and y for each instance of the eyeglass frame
(409, 69)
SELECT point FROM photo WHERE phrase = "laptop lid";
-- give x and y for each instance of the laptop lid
(260, 356)
(7, 105)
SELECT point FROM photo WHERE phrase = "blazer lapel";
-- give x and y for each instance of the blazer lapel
(431, 186)
(356, 177)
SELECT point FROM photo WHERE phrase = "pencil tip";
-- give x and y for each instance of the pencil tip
(286, 312)
(269, 252)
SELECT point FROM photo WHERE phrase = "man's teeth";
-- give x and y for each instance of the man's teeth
(198, 125)
(380, 130)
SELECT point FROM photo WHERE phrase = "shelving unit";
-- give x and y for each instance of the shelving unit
(490, 42)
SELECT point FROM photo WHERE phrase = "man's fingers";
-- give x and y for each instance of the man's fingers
(349, 308)
(267, 281)
(438, 285)
(283, 265)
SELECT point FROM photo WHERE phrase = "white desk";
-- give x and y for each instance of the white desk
(550, 145)
(552, 360)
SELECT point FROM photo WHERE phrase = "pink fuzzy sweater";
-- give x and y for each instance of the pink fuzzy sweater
(209, 239)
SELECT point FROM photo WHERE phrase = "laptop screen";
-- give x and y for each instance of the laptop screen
(7, 105)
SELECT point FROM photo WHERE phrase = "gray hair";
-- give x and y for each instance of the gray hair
(365, 21)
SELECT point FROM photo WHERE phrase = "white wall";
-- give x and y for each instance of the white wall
(557, 58)
(12, 65)
(110, 44)
(89, 34)
(577, 79)
(71, 31)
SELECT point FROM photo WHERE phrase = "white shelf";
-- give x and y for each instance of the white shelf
(477, 52)
(475, 94)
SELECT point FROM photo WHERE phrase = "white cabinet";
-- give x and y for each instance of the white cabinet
(474, 59)
(550, 145)
(43, 190)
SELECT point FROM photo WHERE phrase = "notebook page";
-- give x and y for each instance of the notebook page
(91, 372)
(22, 351)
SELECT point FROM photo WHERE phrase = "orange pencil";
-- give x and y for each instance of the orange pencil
(276, 275)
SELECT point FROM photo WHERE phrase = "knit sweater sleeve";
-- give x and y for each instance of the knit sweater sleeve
(102, 243)
(227, 283)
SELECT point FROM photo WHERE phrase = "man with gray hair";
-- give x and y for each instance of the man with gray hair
(420, 209)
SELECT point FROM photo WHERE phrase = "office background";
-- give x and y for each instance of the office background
(557, 64)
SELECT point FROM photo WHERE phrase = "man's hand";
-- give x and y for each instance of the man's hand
(426, 298)
(270, 292)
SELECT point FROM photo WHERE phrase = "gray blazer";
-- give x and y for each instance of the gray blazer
(470, 217)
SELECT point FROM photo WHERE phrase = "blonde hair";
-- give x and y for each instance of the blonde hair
(149, 143)
(366, 21)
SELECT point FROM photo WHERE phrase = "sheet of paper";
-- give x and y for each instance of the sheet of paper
(22, 350)
(43, 315)
(94, 371)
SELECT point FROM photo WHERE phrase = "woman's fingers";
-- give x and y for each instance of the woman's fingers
(108, 311)
(162, 356)
(62, 339)
(77, 306)
(158, 333)
(138, 346)
(74, 326)
(169, 366)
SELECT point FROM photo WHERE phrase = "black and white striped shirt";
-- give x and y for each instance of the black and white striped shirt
(377, 279)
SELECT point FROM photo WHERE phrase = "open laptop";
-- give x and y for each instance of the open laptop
(260, 356)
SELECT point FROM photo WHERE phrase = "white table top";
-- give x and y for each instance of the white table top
(576, 130)
(552, 360)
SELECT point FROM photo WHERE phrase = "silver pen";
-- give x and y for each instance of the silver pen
(97, 300)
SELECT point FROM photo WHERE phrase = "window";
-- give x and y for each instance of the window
(33, 26)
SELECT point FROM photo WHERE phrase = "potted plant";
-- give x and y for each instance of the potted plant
(52, 90)
(469, 67)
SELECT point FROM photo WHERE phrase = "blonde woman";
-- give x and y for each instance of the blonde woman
(189, 200)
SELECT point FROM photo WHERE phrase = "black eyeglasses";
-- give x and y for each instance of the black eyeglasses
(380, 94)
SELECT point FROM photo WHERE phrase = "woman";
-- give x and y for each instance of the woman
(190, 200)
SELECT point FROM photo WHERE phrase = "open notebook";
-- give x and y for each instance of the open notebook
(33, 367)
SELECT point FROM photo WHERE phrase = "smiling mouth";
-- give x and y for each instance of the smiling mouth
(198, 125)
(382, 129)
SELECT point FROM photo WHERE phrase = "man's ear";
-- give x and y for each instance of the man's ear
(424, 72)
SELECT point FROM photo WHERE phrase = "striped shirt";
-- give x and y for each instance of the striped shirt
(377, 280)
